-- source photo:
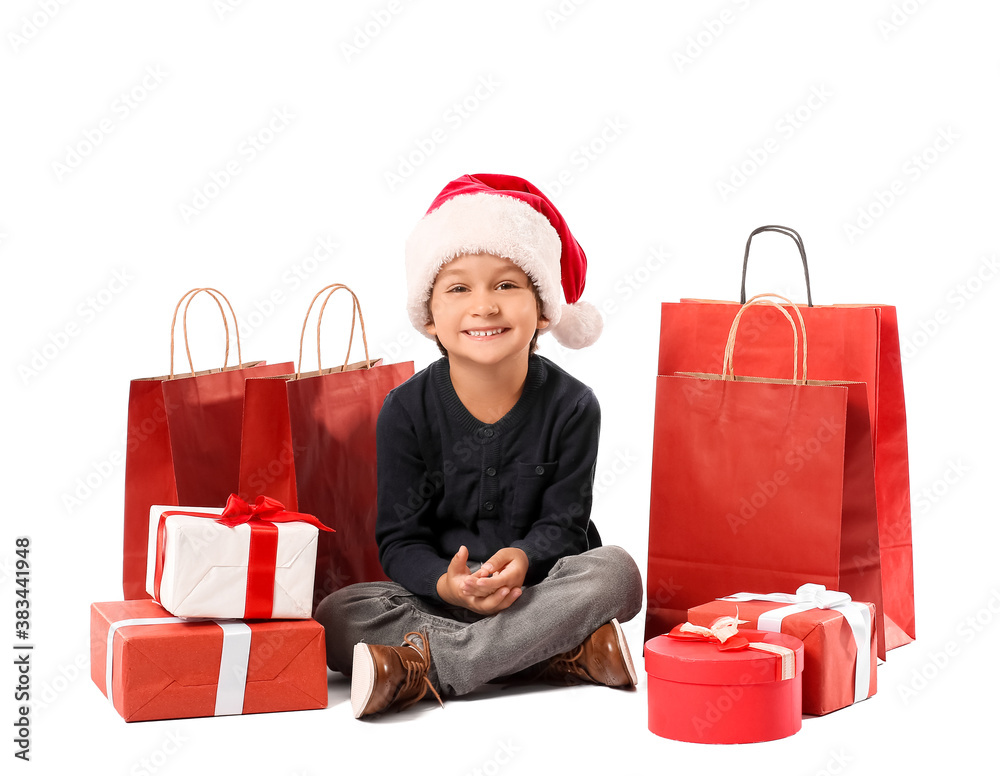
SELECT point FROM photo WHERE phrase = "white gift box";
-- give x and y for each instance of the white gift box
(205, 565)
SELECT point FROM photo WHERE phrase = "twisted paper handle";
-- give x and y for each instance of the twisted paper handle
(189, 296)
(356, 315)
(728, 370)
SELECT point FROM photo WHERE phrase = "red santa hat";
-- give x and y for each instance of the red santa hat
(508, 217)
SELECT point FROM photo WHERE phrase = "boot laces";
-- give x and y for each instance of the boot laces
(565, 663)
(417, 670)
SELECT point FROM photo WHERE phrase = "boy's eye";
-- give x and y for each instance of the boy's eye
(457, 289)
(507, 284)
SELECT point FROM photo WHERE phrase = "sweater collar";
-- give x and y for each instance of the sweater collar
(532, 383)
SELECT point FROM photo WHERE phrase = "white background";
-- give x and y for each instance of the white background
(871, 127)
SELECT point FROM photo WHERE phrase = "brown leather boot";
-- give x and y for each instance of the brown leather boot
(390, 677)
(603, 658)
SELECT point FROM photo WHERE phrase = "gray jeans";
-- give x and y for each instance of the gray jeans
(580, 594)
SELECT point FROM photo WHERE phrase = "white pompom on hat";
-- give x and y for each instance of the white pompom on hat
(506, 216)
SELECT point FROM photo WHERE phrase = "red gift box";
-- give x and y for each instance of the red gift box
(707, 693)
(835, 630)
(154, 666)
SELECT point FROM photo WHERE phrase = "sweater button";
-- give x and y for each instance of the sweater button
(539, 470)
(491, 472)
(488, 506)
(487, 432)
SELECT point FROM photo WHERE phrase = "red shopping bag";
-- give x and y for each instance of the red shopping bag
(856, 343)
(309, 441)
(759, 483)
(183, 438)
(267, 459)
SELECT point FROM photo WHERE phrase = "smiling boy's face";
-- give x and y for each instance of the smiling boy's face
(484, 309)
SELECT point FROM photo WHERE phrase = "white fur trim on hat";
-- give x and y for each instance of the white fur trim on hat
(483, 223)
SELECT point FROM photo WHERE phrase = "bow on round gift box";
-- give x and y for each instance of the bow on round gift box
(725, 634)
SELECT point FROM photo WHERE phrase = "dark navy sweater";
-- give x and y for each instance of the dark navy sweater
(446, 478)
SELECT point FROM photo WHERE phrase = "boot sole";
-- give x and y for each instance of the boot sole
(626, 655)
(363, 679)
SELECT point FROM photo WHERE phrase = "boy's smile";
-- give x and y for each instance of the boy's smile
(482, 333)
(484, 309)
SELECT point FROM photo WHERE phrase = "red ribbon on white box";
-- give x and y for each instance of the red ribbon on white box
(233, 664)
(261, 516)
(812, 596)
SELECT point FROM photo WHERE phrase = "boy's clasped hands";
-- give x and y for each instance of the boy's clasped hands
(491, 588)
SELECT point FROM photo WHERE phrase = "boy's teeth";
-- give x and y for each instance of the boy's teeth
(485, 332)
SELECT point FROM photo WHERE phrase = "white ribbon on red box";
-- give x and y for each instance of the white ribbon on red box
(232, 665)
(812, 596)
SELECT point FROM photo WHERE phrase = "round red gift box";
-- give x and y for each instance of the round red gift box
(705, 695)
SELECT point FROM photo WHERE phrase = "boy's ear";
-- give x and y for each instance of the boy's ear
(432, 331)
(543, 322)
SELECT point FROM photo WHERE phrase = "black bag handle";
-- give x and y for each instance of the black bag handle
(786, 230)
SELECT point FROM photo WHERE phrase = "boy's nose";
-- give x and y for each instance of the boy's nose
(484, 304)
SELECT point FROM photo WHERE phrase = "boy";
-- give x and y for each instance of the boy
(485, 473)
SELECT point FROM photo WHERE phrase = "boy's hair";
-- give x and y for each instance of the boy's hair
(532, 346)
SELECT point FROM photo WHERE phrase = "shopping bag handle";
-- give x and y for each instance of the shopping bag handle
(785, 230)
(355, 316)
(802, 326)
(728, 372)
(356, 311)
(189, 296)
